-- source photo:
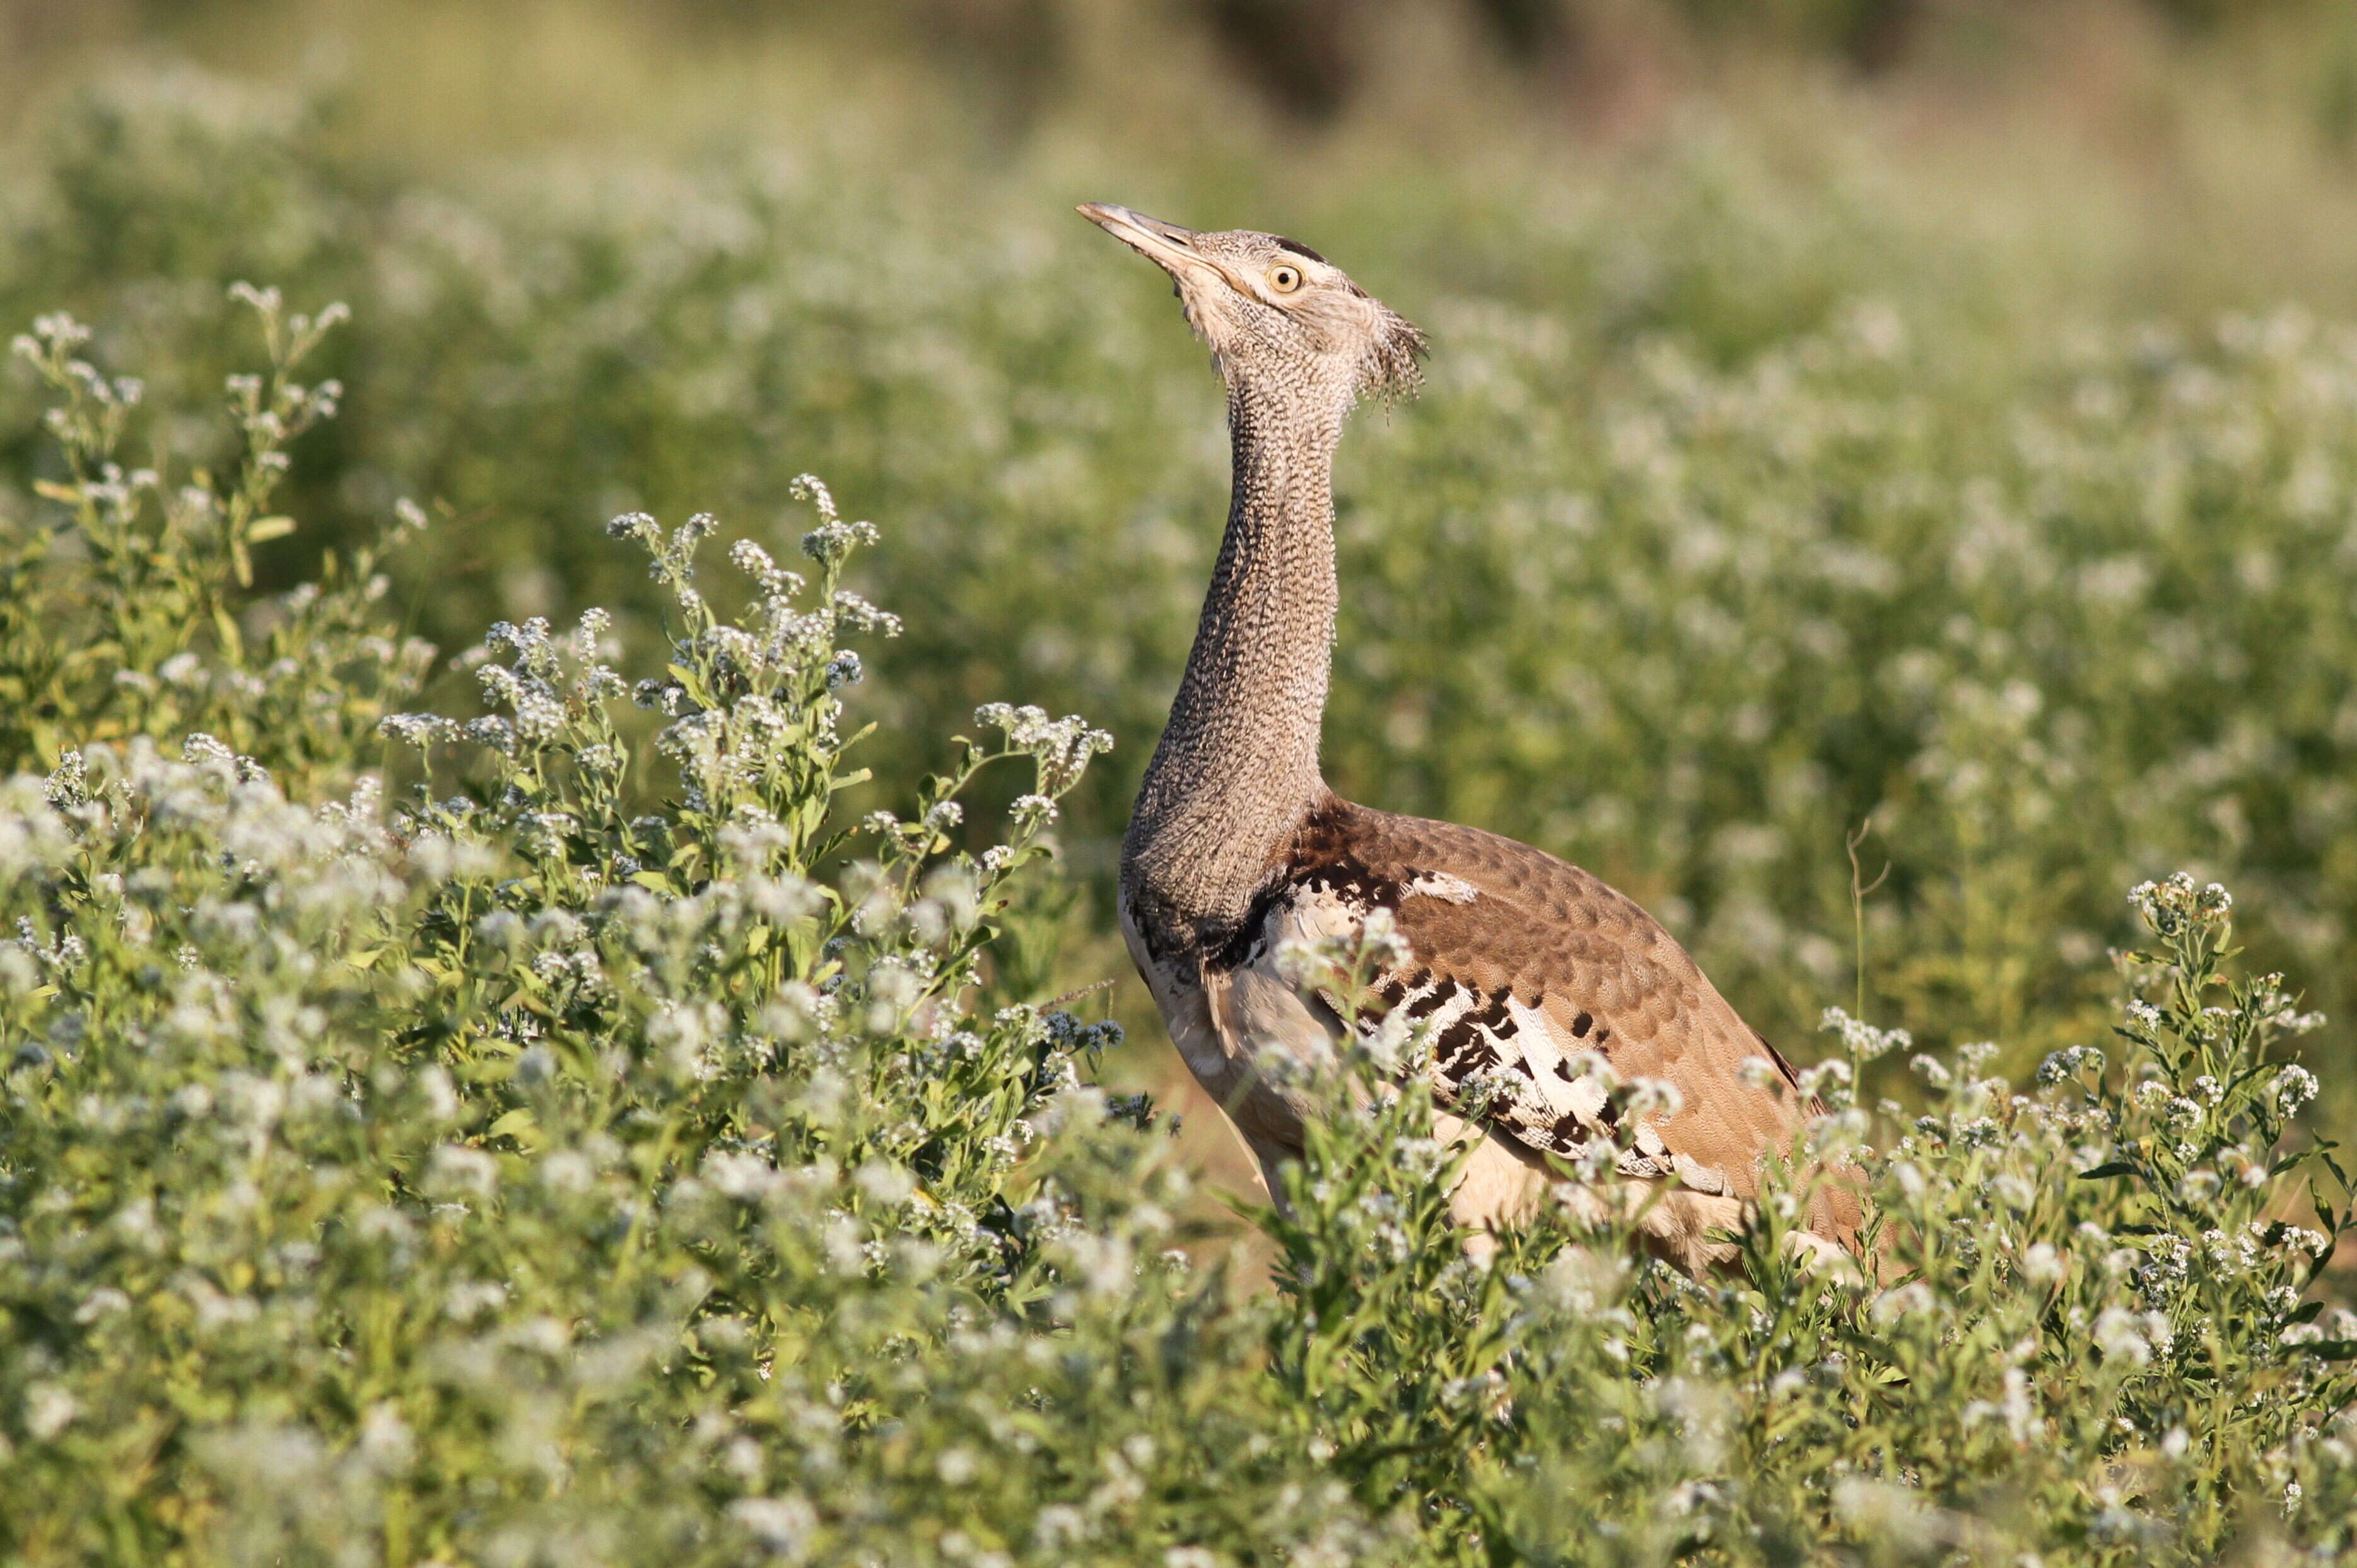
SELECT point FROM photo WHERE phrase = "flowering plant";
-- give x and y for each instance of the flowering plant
(593, 1146)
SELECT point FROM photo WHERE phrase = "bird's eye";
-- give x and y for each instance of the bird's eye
(1285, 279)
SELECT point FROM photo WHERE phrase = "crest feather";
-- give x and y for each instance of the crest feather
(1394, 361)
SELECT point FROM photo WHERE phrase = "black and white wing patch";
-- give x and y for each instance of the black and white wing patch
(1494, 1058)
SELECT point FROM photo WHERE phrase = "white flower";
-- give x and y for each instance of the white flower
(491, 731)
(2067, 1065)
(49, 1409)
(567, 1171)
(386, 1441)
(1833, 1071)
(420, 730)
(1582, 1282)
(781, 1525)
(2171, 906)
(1932, 1071)
(1863, 1040)
(1056, 1528)
(858, 615)
(2293, 1088)
(2042, 1264)
(1911, 1300)
(453, 1171)
(468, 1300)
(1658, 1100)
(2132, 1337)
(886, 1184)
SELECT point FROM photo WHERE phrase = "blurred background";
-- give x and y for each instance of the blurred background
(1927, 422)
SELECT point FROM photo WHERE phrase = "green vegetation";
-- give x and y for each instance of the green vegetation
(1738, 514)
(584, 1128)
(511, 1176)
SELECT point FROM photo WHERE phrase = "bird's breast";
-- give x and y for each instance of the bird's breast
(1246, 1035)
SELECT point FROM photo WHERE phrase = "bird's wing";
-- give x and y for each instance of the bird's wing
(1518, 963)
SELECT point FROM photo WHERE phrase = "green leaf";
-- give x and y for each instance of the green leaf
(519, 1123)
(2110, 1168)
(266, 529)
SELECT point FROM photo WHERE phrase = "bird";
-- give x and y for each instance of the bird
(1518, 969)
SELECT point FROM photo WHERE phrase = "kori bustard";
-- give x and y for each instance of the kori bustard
(1518, 962)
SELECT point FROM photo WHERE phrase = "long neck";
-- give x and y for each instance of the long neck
(1237, 765)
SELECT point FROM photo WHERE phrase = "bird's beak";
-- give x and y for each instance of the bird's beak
(1165, 244)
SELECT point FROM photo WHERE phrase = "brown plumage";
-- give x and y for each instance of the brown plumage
(1519, 965)
(1509, 942)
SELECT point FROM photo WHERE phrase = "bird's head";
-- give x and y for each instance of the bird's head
(1278, 315)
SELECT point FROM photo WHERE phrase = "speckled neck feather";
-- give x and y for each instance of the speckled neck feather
(1236, 770)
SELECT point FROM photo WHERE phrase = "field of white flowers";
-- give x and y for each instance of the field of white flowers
(504, 1173)
(494, 1081)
